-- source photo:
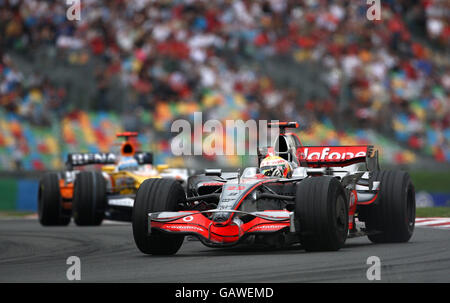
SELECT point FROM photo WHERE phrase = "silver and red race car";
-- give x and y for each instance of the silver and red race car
(331, 193)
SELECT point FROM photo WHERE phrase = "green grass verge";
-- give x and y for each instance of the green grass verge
(431, 181)
(433, 212)
(8, 188)
(15, 214)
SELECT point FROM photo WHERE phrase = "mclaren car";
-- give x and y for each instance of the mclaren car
(331, 193)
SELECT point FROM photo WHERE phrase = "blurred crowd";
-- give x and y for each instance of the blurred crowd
(32, 96)
(437, 20)
(380, 75)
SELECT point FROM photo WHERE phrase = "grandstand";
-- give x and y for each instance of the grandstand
(139, 65)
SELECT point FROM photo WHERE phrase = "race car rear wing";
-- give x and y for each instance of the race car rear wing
(329, 156)
(82, 159)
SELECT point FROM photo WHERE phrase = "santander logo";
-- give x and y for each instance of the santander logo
(332, 153)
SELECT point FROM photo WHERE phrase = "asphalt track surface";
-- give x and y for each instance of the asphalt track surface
(32, 253)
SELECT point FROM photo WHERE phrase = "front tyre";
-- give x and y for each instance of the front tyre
(50, 210)
(321, 213)
(392, 218)
(156, 195)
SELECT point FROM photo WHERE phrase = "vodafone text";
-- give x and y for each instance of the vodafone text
(328, 153)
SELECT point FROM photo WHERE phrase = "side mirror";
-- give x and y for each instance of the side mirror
(108, 168)
(161, 167)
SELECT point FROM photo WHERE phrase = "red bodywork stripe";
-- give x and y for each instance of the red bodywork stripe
(370, 201)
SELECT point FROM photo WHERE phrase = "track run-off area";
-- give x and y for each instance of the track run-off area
(107, 253)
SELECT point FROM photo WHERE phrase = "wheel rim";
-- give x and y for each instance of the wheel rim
(40, 203)
(410, 209)
(341, 216)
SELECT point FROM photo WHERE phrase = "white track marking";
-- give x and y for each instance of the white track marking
(110, 222)
(441, 223)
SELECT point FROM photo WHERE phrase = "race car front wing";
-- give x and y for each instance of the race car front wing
(212, 233)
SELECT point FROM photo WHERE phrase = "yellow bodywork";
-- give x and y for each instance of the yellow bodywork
(137, 177)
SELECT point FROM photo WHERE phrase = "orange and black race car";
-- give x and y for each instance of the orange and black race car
(89, 196)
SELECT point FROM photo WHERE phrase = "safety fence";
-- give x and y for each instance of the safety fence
(19, 194)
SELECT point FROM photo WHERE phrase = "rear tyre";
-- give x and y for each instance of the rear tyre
(89, 199)
(156, 195)
(50, 210)
(392, 218)
(321, 213)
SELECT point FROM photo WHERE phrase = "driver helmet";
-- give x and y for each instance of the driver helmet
(127, 163)
(275, 166)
